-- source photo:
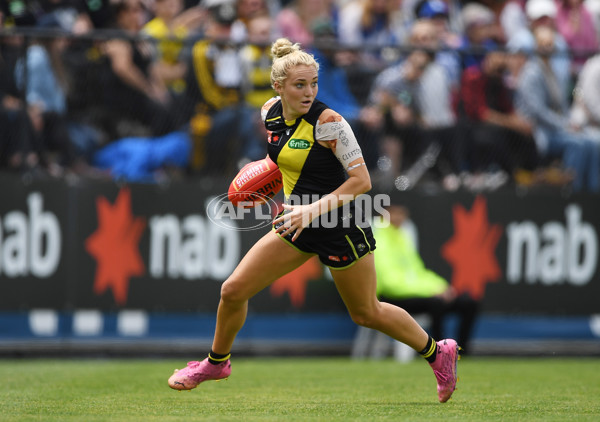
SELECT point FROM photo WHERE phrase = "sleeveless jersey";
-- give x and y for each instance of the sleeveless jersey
(309, 169)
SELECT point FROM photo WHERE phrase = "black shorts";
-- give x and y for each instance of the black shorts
(336, 252)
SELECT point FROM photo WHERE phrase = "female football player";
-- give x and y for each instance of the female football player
(319, 158)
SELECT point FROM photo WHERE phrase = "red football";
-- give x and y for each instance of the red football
(255, 183)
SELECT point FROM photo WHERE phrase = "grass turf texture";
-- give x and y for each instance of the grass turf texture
(291, 389)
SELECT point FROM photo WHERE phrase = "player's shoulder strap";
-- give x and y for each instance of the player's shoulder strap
(315, 111)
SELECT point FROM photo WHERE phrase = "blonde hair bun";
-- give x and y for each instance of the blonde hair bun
(282, 47)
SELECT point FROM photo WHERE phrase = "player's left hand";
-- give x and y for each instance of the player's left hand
(294, 218)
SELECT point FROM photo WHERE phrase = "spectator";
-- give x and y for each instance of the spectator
(133, 92)
(446, 41)
(540, 99)
(480, 34)
(16, 131)
(373, 23)
(44, 78)
(437, 117)
(439, 14)
(454, 19)
(404, 141)
(246, 10)
(585, 112)
(213, 99)
(296, 20)
(334, 89)
(403, 280)
(543, 13)
(498, 134)
(575, 23)
(256, 63)
(170, 27)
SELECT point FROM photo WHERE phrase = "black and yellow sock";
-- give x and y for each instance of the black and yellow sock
(216, 358)
(430, 351)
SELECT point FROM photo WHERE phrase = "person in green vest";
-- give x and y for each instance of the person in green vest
(403, 280)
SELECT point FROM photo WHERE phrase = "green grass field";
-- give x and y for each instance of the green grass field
(292, 389)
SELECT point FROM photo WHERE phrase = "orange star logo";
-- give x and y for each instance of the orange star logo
(114, 245)
(471, 251)
(294, 283)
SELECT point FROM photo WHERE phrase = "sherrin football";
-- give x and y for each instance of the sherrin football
(255, 183)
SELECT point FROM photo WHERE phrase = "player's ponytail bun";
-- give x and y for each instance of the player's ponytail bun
(287, 55)
(282, 47)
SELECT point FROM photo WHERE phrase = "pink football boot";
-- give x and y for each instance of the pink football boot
(445, 368)
(197, 372)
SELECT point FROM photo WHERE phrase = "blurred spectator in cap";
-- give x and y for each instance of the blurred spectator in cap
(222, 12)
(480, 34)
(438, 13)
(543, 13)
(575, 23)
(410, 9)
(431, 9)
(538, 9)
(446, 42)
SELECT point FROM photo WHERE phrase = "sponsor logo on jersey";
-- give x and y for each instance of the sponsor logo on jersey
(295, 143)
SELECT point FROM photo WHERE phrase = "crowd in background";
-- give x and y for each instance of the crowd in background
(472, 94)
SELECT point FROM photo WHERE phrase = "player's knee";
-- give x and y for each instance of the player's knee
(363, 317)
(230, 293)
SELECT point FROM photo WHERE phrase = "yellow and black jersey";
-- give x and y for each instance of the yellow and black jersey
(308, 168)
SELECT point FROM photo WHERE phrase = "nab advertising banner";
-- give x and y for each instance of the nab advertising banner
(111, 247)
(535, 253)
(35, 223)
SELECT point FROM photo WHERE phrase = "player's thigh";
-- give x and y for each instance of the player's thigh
(357, 286)
(269, 259)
